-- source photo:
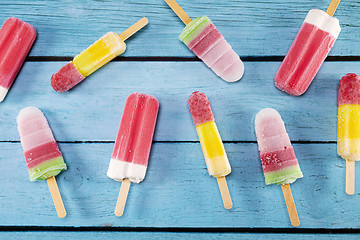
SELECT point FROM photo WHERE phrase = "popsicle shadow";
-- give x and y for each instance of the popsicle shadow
(155, 162)
(160, 167)
(73, 178)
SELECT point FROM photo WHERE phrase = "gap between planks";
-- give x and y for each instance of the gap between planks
(289, 230)
(186, 59)
(164, 142)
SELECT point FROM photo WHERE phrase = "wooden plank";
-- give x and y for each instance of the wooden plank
(253, 28)
(177, 191)
(160, 235)
(92, 110)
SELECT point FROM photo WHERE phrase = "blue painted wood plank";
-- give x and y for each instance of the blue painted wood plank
(253, 28)
(160, 235)
(177, 191)
(92, 110)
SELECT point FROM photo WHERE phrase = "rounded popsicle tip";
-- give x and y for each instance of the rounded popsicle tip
(268, 123)
(349, 89)
(265, 114)
(28, 112)
(16, 21)
(200, 108)
(282, 85)
(139, 95)
(66, 78)
(235, 72)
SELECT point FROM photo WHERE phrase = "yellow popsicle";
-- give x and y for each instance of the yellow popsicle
(98, 54)
(94, 57)
(215, 156)
(348, 134)
(212, 146)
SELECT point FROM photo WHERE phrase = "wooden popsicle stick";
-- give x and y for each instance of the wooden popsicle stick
(179, 11)
(350, 177)
(55, 194)
(120, 204)
(289, 200)
(225, 194)
(332, 7)
(134, 28)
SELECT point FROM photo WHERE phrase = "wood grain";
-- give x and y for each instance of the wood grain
(160, 235)
(176, 236)
(253, 28)
(175, 169)
(92, 110)
(85, 121)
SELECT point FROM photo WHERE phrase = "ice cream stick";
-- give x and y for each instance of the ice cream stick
(332, 7)
(350, 177)
(120, 204)
(294, 218)
(179, 11)
(134, 28)
(55, 194)
(225, 194)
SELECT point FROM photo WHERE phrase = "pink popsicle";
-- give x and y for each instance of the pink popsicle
(311, 46)
(66, 78)
(200, 108)
(202, 37)
(279, 162)
(133, 142)
(132, 146)
(43, 157)
(16, 39)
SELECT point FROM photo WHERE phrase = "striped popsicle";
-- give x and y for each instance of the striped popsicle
(202, 37)
(43, 157)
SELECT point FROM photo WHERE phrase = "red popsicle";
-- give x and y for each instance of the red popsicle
(16, 39)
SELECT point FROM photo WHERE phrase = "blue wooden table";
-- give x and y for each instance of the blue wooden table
(177, 199)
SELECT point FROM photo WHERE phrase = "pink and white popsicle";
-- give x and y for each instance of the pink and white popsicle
(16, 40)
(201, 36)
(279, 162)
(278, 159)
(132, 147)
(307, 53)
(43, 157)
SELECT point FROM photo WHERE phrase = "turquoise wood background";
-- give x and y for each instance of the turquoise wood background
(177, 199)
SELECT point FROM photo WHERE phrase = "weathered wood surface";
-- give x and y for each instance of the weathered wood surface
(85, 120)
(160, 235)
(177, 191)
(92, 110)
(253, 28)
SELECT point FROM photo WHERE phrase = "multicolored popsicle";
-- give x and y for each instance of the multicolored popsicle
(311, 46)
(213, 148)
(94, 57)
(348, 134)
(133, 143)
(202, 37)
(279, 163)
(43, 157)
(16, 40)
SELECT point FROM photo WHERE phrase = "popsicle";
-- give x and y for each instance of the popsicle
(43, 157)
(132, 146)
(16, 39)
(348, 134)
(279, 163)
(201, 36)
(307, 53)
(94, 57)
(212, 146)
